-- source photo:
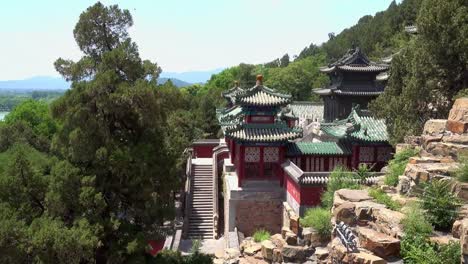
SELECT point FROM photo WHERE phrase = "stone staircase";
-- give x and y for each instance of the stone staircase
(201, 205)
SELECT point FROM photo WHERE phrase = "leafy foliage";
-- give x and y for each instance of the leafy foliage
(383, 198)
(415, 222)
(462, 172)
(397, 165)
(440, 203)
(175, 257)
(429, 71)
(339, 178)
(261, 235)
(320, 220)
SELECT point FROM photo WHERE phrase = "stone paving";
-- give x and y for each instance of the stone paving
(213, 247)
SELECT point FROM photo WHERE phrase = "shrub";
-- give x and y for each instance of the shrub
(462, 172)
(396, 167)
(383, 198)
(339, 178)
(440, 204)
(320, 220)
(415, 223)
(362, 172)
(175, 257)
(418, 250)
(261, 235)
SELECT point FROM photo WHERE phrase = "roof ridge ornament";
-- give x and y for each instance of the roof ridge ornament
(259, 80)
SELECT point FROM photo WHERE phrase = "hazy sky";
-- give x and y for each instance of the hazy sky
(180, 35)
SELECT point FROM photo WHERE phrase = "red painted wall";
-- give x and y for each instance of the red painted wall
(204, 150)
(251, 119)
(310, 195)
(293, 189)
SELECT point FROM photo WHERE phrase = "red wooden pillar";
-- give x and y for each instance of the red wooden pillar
(355, 157)
(261, 165)
(232, 148)
(281, 159)
(241, 164)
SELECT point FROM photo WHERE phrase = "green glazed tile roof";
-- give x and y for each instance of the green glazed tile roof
(309, 110)
(269, 133)
(232, 93)
(261, 95)
(230, 116)
(360, 125)
(317, 148)
(354, 60)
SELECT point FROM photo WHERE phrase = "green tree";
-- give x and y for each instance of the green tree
(429, 72)
(113, 130)
(298, 78)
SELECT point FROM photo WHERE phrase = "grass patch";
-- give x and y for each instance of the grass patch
(396, 166)
(383, 198)
(261, 235)
(415, 222)
(319, 219)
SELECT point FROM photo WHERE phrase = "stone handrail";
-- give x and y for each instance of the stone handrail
(188, 190)
(322, 177)
(216, 151)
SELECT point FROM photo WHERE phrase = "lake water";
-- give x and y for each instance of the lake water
(3, 114)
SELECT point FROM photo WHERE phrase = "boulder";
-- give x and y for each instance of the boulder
(461, 189)
(295, 254)
(402, 146)
(456, 139)
(387, 222)
(278, 240)
(457, 126)
(267, 250)
(277, 257)
(294, 223)
(353, 195)
(284, 230)
(388, 189)
(464, 236)
(231, 253)
(345, 213)
(321, 254)
(444, 149)
(380, 244)
(291, 238)
(443, 239)
(463, 212)
(425, 171)
(418, 160)
(456, 229)
(364, 209)
(458, 116)
(311, 237)
(404, 184)
(366, 258)
(337, 250)
(250, 248)
(434, 126)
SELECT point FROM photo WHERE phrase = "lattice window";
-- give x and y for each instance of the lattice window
(270, 154)
(252, 154)
(366, 154)
(384, 154)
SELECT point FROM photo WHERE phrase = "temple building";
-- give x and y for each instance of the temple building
(276, 153)
(352, 82)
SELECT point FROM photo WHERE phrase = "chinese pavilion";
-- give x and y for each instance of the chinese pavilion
(271, 164)
(353, 82)
(256, 138)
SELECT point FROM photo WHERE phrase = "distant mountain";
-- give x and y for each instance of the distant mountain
(191, 76)
(176, 82)
(35, 83)
(38, 83)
